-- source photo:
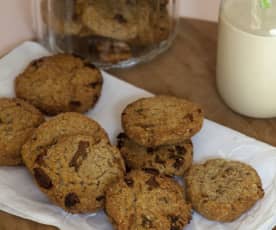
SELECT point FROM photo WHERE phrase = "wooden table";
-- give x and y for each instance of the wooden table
(186, 70)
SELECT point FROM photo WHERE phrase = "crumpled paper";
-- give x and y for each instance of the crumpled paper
(20, 196)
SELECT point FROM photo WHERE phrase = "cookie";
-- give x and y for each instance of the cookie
(60, 83)
(163, 27)
(223, 190)
(159, 4)
(117, 19)
(76, 170)
(161, 120)
(64, 18)
(147, 201)
(112, 51)
(171, 160)
(158, 30)
(18, 120)
(66, 124)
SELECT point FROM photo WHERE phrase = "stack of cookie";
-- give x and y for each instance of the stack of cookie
(70, 155)
(155, 146)
(108, 31)
(72, 162)
(49, 85)
(158, 133)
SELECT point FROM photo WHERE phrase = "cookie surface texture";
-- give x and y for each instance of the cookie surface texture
(223, 190)
(60, 83)
(171, 160)
(147, 201)
(18, 120)
(75, 172)
(47, 134)
(118, 19)
(161, 120)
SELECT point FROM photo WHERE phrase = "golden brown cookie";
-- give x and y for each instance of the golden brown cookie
(66, 124)
(112, 51)
(171, 160)
(161, 120)
(18, 120)
(147, 201)
(60, 83)
(158, 30)
(76, 170)
(223, 190)
(64, 18)
(117, 19)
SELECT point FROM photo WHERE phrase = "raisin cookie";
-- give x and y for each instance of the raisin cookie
(223, 190)
(171, 160)
(161, 120)
(18, 120)
(117, 19)
(66, 124)
(147, 201)
(75, 172)
(60, 83)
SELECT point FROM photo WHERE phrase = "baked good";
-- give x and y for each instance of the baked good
(75, 172)
(64, 17)
(117, 19)
(163, 27)
(223, 190)
(66, 124)
(60, 83)
(18, 120)
(171, 160)
(161, 120)
(146, 201)
(157, 30)
(112, 51)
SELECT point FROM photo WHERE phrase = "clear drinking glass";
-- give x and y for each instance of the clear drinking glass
(246, 61)
(108, 33)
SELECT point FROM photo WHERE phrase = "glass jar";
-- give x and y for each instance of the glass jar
(108, 33)
(246, 60)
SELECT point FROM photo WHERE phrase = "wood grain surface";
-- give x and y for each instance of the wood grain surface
(187, 70)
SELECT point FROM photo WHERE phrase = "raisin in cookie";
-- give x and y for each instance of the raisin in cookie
(117, 19)
(223, 190)
(161, 120)
(18, 120)
(147, 201)
(60, 83)
(75, 172)
(172, 160)
(47, 134)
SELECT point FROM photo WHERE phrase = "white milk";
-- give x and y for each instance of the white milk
(246, 62)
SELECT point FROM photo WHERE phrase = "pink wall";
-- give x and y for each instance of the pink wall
(16, 23)
(204, 9)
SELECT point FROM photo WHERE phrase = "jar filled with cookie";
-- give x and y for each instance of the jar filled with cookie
(107, 33)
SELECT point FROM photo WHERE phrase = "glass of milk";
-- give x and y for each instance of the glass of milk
(246, 61)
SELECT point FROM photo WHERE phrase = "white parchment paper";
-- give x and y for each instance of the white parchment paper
(20, 196)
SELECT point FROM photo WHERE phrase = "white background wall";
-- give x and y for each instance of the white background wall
(15, 18)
